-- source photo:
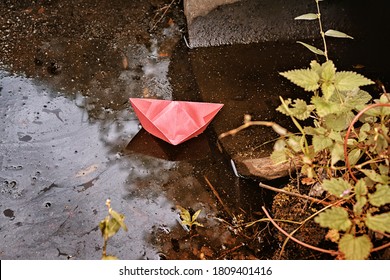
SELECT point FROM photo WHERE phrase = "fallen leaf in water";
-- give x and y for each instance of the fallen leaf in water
(87, 170)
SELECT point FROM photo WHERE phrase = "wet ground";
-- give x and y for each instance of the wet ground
(67, 71)
(70, 140)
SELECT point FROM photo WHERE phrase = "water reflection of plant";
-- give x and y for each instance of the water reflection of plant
(109, 227)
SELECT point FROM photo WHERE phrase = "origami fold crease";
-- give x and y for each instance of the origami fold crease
(174, 121)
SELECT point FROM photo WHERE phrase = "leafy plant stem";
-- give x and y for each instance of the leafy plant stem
(350, 127)
(321, 30)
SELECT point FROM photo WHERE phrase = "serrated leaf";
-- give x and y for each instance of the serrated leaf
(314, 65)
(321, 142)
(383, 179)
(334, 218)
(328, 89)
(381, 196)
(355, 248)
(335, 136)
(357, 99)
(337, 34)
(308, 16)
(348, 80)
(360, 188)
(312, 48)
(305, 78)
(379, 222)
(336, 186)
(324, 107)
(358, 206)
(333, 235)
(328, 71)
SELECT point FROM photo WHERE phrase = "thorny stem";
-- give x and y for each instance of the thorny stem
(321, 30)
(355, 119)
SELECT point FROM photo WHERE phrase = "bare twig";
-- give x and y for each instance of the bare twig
(247, 123)
(331, 252)
(166, 9)
(218, 197)
(294, 194)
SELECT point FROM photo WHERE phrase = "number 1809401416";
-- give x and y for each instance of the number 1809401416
(226, 270)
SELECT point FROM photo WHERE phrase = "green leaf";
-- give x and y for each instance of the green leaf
(334, 218)
(336, 186)
(309, 16)
(312, 48)
(337, 153)
(328, 90)
(299, 109)
(314, 65)
(379, 222)
(357, 99)
(355, 248)
(328, 71)
(360, 188)
(321, 142)
(278, 156)
(363, 132)
(337, 34)
(348, 80)
(338, 122)
(324, 107)
(119, 218)
(305, 78)
(381, 196)
(384, 179)
(354, 156)
(358, 206)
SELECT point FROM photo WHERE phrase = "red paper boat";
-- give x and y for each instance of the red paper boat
(174, 121)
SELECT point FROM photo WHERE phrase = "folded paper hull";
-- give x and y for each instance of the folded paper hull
(174, 121)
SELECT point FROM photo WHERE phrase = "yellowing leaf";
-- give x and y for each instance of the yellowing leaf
(379, 222)
(355, 248)
(334, 218)
(381, 196)
(305, 78)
